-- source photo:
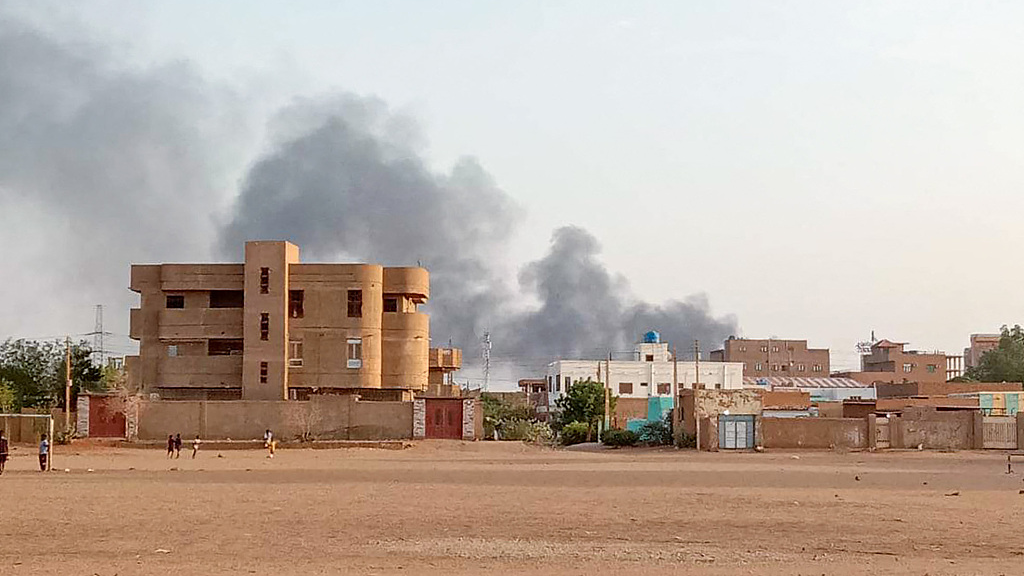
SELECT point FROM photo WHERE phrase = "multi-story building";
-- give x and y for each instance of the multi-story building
(274, 328)
(888, 361)
(980, 343)
(651, 373)
(764, 358)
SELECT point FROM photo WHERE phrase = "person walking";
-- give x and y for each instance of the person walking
(3, 451)
(269, 443)
(44, 453)
(170, 446)
(177, 446)
(195, 446)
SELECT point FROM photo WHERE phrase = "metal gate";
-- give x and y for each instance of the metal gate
(735, 432)
(106, 419)
(882, 434)
(444, 418)
(1000, 432)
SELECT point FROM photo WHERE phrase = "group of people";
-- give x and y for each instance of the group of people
(174, 446)
(5, 452)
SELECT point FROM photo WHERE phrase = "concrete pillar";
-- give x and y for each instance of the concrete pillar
(1020, 430)
(872, 431)
(419, 418)
(978, 431)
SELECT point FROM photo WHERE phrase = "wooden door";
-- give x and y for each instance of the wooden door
(444, 418)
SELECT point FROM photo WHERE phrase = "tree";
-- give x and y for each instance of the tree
(6, 396)
(36, 371)
(583, 402)
(1002, 364)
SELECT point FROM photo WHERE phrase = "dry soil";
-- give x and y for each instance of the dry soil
(503, 508)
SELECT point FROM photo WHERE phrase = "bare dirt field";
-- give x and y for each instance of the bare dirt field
(486, 508)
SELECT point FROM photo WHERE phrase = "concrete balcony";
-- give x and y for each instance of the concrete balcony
(200, 371)
(412, 323)
(413, 282)
(200, 323)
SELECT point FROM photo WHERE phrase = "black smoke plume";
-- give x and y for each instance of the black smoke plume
(341, 181)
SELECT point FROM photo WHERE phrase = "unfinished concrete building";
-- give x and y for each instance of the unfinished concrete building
(273, 328)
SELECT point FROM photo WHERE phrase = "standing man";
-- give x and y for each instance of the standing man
(177, 446)
(195, 446)
(44, 453)
(3, 451)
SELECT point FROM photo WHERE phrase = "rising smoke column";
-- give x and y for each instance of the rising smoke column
(344, 179)
(586, 311)
(101, 166)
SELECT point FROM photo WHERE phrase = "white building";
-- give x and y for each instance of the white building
(649, 374)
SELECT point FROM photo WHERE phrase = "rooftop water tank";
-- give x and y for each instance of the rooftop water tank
(652, 337)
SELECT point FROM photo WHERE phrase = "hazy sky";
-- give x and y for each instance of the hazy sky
(818, 169)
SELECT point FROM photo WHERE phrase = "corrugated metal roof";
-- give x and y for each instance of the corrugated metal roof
(796, 382)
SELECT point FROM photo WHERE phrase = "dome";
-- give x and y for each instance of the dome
(652, 337)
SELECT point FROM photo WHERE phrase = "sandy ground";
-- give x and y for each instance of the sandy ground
(485, 508)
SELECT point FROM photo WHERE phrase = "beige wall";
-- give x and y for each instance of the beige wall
(814, 432)
(342, 417)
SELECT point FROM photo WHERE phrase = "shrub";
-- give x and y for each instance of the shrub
(526, 431)
(615, 437)
(687, 441)
(574, 433)
(657, 433)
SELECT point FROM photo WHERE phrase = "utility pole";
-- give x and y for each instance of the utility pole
(607, 392)
(67, 387)
(675, 376)
(487, 360)
(696, 363)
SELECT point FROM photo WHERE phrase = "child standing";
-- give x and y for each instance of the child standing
(170, 446)
(44, 453)
(177, 446)
(195, 446)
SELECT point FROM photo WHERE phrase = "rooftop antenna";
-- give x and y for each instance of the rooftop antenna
(487, 360)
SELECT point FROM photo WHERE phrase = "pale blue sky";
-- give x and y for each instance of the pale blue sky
(819, 169)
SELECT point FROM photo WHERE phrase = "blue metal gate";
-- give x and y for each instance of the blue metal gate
(735, 432)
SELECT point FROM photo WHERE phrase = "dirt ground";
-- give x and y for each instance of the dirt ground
(488, 508)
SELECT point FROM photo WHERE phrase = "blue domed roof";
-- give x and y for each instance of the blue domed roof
(652, 337)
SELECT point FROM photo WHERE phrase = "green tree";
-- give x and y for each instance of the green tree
(6, 396)
(1002, 364)
(583, 402)
(36, 371)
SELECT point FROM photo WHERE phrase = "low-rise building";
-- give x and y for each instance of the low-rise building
(652, 373)
(889, 361)
(774, 357)
(980, 343)
(720, 419)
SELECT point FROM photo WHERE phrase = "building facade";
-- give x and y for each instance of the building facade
(889, 361)
(652, 373)
(980, 343)
(764, 358)
(273, 328)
